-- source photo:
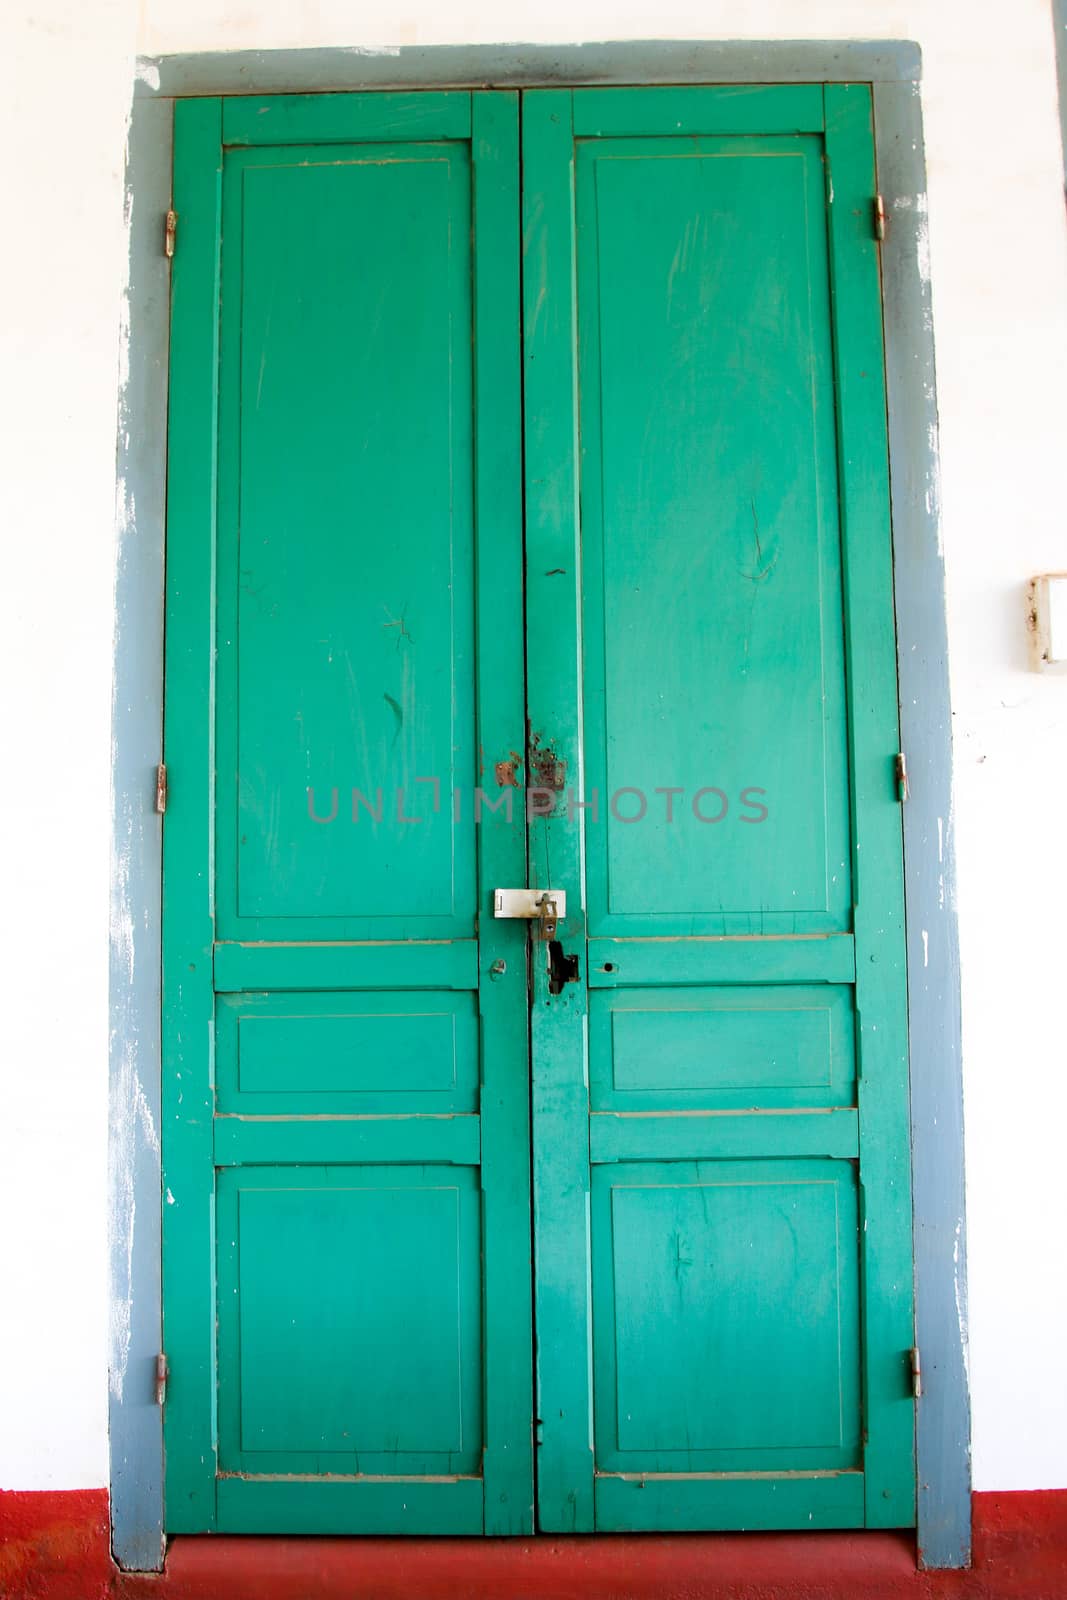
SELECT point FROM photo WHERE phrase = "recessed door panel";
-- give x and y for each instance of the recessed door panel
(714, 671)
(346, 579)
(725, 1316)
(330, 1053)
(721, 1048)
(350, 1321)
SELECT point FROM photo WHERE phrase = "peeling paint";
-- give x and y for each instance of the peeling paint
(922, 241)
(549, 769)
(506, 771)
(932, 497)
(959, 1288)
(122, 930)
(134, 1175)
(132, 1123)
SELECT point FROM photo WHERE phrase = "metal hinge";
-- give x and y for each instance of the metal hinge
(162, 1374)
(161, 788)
(916, 1373)
(879, 217)
(170, 233)
(901, 769)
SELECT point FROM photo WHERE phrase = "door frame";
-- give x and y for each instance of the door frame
(893, 71)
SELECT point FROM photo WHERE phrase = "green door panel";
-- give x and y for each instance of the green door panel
(697, 111)
(347, 1303)
(370, 964)
(722, 1049)
(350, 1321)
(722, 1244)
(346, 581)
(329, 119)
(782, 958)
(352, 1505)
(711, 568)
(329, 1054)
(725, 1316)
(669, 1505)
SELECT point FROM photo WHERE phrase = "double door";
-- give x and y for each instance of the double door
(529, 550)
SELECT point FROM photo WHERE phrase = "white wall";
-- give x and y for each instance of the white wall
(998, 248)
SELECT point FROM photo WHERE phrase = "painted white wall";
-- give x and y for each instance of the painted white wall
(998, 247)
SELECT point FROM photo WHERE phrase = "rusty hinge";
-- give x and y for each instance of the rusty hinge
(170, 233)
(879, 217)
(916, 1373)
(161, 788)
(901, 769)
(162, 1374)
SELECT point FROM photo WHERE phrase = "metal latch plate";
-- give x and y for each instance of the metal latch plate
(528, 902)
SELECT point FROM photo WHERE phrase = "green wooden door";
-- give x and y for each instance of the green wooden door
(708, 1063)
(721, 1204)
(346, 1144)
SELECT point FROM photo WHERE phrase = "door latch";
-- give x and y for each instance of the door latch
(547, 907)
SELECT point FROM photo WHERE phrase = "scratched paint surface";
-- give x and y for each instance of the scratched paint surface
(714, 655)
(345, 578)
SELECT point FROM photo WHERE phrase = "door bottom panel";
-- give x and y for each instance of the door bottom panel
(350, 1506)
(667, 1504)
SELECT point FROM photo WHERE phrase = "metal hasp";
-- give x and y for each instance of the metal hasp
(546, 906)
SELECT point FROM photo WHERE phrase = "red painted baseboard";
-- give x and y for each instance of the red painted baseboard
(55, 1544)
(55, 1547)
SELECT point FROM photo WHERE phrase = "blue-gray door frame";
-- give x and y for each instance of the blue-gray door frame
(943, 1431)
(1059, 24)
